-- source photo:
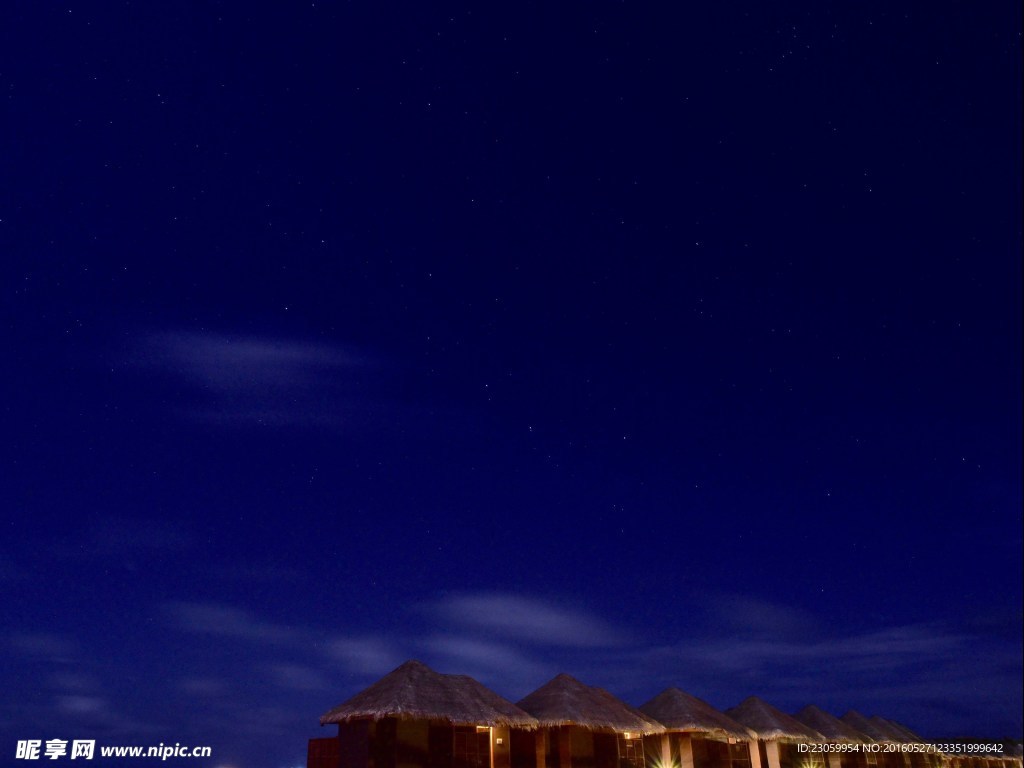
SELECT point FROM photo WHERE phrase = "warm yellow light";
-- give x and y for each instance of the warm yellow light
(483, 728)
(629, 735)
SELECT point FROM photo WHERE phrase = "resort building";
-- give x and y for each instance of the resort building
(586, 727)
(778, 735)
(882, 734)
(698, 735)
(899, 734)
(415, 717)
(837, 732)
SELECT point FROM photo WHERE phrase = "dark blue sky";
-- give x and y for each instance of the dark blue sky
(657, 346)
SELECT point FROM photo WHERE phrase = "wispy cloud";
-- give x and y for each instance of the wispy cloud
(233, 364)
(111, 534)
(268, 381)
(359, 654)
(749, 615)
(73, 681)
(298, 677)
(527, 619)
(365, 654)
(223, 620)
(206, 687)
(81, 705)
(44, 645)
(486, 660)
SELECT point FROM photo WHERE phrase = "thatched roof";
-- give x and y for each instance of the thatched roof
(566, 701)
(865, 726)
(881, 729)
(830, 726)
(679, 711)
(770, 723)
(653, 726)
(909, 734)
(416, 692)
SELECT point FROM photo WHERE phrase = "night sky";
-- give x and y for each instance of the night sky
(660, 344)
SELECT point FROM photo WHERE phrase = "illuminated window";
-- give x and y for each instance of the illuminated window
(631, 750)
(739, 755)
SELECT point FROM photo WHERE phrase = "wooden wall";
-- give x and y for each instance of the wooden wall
(525, 746)
(354, 740)
(324, 753)
(501, 747)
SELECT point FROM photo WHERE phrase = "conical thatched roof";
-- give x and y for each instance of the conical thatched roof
(830, 726)
(770, 723)
(566, 701)
(679, 711)
(892, 731)
(653, 726)
(416, 692)
(865, 726)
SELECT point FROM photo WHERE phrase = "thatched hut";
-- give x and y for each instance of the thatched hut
(699, 736)
(836, 731)
(414, 717)
(900, 734)
(586, 727)
(884, 735)
(856, 720)
(909, 734)
(778, 734)
(894, 733)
